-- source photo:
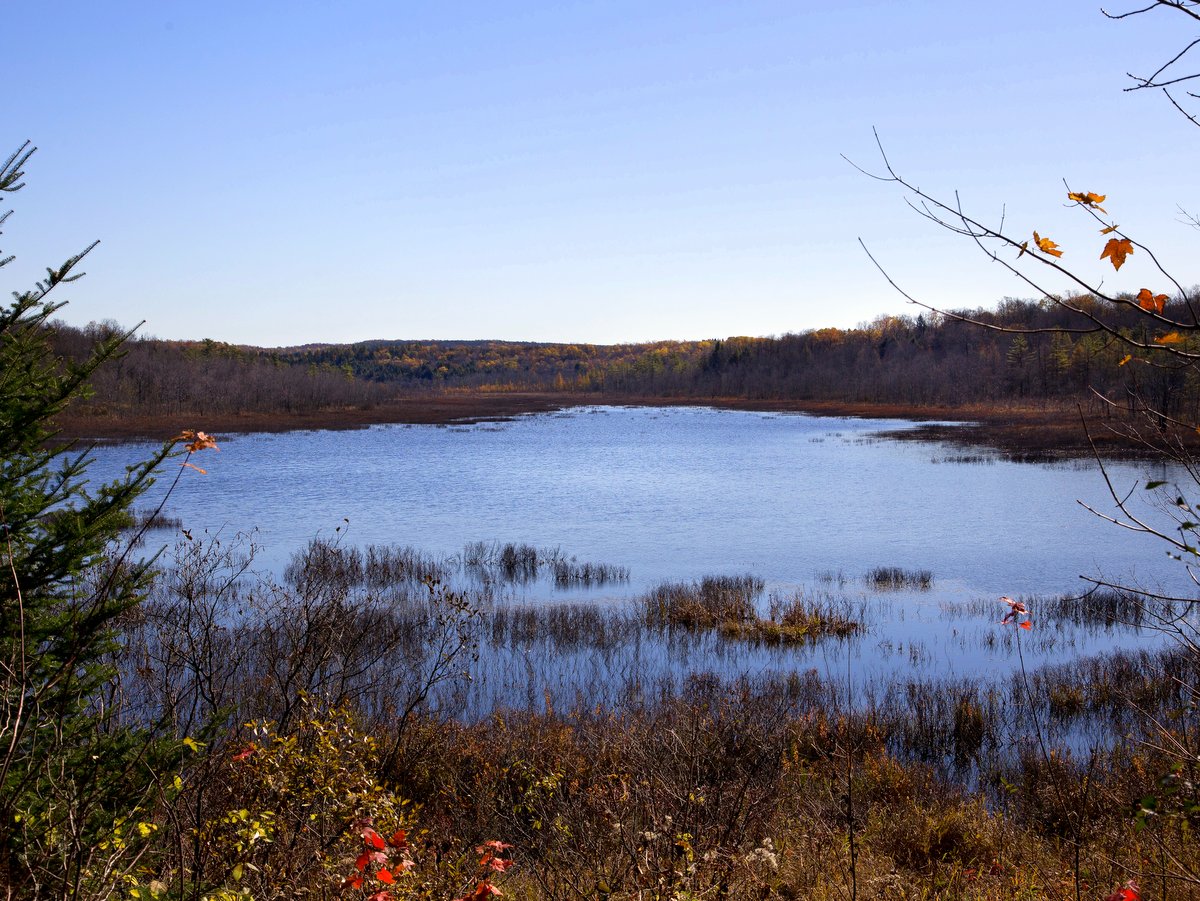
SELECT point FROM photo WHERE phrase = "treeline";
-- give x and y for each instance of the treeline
(517, 365)
(159, 378)
(1029, 353)
(1035, 351)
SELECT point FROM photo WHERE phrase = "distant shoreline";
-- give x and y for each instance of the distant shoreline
(1023, 433)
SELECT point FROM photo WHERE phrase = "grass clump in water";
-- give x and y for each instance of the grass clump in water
(151, 520)
(895, 578)
(728, 604)
(794, 619)
(704, 604)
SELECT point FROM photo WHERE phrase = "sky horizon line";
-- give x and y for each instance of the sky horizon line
(605, 169)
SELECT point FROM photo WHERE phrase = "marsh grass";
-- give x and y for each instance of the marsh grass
(524, 563)
(795, 619)
(561, 626)
(154, 520)
(966, 459)
(1098, 609)
(706, 604)
(895, 578)
(684, 782)
(379, 566)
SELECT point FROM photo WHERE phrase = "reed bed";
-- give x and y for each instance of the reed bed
(524, 563)
(154, 520)
(379, 566)
(895, 578)
(704, 604)
(607, 769)
(1099, 609)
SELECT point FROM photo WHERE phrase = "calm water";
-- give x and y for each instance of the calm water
(676, 493)
(680, 493)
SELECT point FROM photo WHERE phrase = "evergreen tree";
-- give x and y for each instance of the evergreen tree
(68, 770)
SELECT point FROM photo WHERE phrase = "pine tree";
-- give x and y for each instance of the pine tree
(68, 771)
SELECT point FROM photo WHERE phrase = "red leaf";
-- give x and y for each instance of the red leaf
(363, 860)
(243, 754)
(482, 892)
(373, 839)
(1027, 625)
(1128, 892)
(399, 839)
(355, 881)
(385, 876)
(499, 864)
(380, 896)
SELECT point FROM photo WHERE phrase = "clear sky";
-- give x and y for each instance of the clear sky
(279, 173)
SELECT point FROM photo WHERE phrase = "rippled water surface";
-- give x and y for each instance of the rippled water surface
(806, 503)
(676, 493)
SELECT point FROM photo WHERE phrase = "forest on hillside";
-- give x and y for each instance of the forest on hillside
(1035, 351)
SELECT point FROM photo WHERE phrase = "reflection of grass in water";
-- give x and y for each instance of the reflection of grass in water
(965, 459)
(145, 521)
(1101, 608)
(150, 520)
(525, 563)
(895, 578)
(829, 576)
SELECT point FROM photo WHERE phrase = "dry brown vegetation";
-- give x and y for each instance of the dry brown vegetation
(334, 696)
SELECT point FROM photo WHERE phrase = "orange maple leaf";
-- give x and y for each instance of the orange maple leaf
(1016, 609)
(1153, 302)
(1045, 245)
(1125, 359)
(1088, 199)
(1109, 230)
(1169, 338)
(1116, 250)
(196, 441)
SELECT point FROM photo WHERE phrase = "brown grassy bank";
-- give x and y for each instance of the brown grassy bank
(1022, 431)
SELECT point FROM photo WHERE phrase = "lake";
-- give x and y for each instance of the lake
(806, 503)
(676, 493)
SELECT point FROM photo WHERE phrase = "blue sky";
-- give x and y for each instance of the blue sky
(277, 174)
